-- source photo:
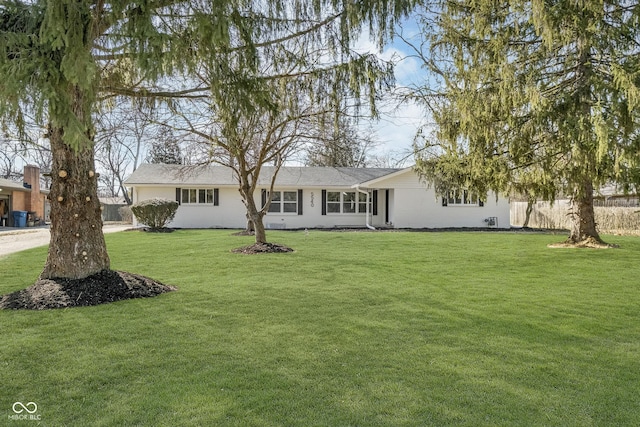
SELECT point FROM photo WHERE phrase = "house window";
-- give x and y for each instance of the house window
(362, 203)
(284, 202)
(462, 198)
(333, 201)
(347, 202)
(205, 195)
(200, 196)
(189, 195)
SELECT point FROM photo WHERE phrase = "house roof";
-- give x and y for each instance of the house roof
(615, 190)
(12, 185)
(378, 179)
(177, 175)
(112, 200)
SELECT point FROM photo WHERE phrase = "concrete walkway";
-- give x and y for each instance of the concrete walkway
(18, 239)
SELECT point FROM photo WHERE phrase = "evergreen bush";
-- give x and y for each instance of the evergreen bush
(155, 213)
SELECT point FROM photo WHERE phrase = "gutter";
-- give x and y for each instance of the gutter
(369, 226)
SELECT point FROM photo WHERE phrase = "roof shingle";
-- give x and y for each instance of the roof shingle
(160, 174)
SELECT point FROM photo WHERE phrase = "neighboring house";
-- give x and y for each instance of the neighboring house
(24, 197)
(111, 208)
(612, 195)
(315, 197)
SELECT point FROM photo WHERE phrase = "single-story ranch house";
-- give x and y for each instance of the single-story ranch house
(315, 197)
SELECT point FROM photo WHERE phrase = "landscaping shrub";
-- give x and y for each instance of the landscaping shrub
(125, 214)
(155, 213)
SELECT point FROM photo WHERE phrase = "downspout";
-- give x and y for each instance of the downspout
(369, 226)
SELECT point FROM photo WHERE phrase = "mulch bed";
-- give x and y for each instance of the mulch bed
(104, 287)
(262, 248)
(156, 230)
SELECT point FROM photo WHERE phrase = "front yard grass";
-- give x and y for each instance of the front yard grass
(352, 329)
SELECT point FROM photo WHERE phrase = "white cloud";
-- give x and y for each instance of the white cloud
(398, 124)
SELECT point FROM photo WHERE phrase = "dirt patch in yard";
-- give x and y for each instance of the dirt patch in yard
(104, 287)
(590, 243)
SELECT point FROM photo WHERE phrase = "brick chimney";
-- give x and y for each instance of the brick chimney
(35, 202)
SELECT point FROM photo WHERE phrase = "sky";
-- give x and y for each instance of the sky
(398, 124)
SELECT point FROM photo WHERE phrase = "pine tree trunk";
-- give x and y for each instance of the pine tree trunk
(77, 248)
(584, 220)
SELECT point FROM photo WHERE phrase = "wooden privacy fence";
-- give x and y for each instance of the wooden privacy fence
(610, 219)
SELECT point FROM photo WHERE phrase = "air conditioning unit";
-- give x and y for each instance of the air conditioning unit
(491, 222)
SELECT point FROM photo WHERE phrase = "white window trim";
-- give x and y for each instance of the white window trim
(281, 202)
(342, 201)
(197, 202)
(466, 194)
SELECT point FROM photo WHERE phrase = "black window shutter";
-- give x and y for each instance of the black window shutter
(178, 192)
(375, 202)
(386, 206)
(324, 202)
(444, 201)
(480, 203)
(300, 202)
(264, 198)
(216, 197)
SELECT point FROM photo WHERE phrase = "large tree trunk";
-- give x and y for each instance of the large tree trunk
(77, 248)
(260, 233)
(584, 220)
(254, 214)
(254, 217)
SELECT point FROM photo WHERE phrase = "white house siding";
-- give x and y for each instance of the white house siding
(413, 205)
(312, 212)
(230, 213)
(420, 208)
(410, 205)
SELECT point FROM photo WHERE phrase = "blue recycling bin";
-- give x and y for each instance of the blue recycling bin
(19, 218)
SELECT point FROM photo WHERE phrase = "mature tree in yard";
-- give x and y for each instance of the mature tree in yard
(263, 103)
(56, 57)
(60, 56)
(247, 141)
(165, 148)
(541, 93)
(341, 144)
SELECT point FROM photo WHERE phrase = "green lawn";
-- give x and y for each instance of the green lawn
(353, 329)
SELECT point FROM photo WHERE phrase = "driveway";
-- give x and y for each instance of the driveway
(18, 239)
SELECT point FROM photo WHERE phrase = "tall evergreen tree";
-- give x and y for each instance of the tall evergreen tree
(56, 58)
(541, 93)
(339, 145)
(165, 148)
